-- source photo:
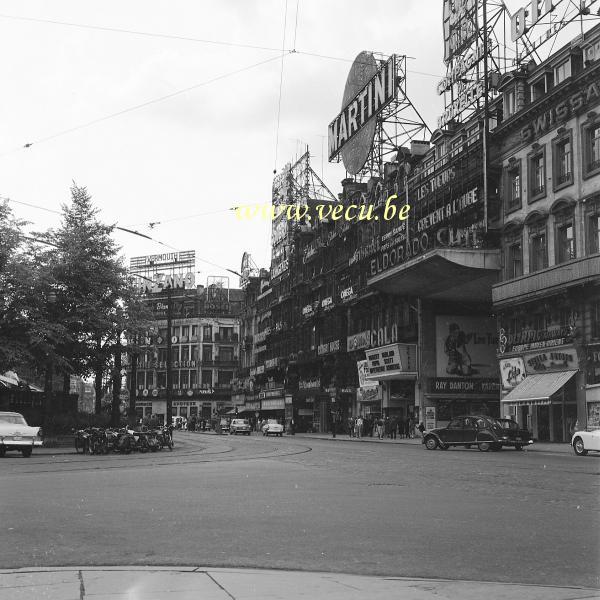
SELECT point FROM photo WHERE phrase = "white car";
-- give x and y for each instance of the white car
(15, 434)
(272, 427)
(583, 441)
(239, 426)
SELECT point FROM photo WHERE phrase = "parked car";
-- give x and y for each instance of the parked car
(239, 426)
(584, 441)
(487, 433)
(15, 434)
(272, 427)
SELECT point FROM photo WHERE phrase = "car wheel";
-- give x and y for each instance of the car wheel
(578, 447)
(431, 443)
(518, 447)
(26, 452)
(484, 446)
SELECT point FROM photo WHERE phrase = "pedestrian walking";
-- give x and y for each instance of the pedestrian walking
(380, 426)
(407, 427)
(421, 428)
(386, 427)
(393, 427)
(411, 427)
(359, 427)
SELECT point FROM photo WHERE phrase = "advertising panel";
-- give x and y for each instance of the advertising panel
(430, 417)
(395, 361)
(466, 346)
(512, 372)
(561, 359)
(367, 390)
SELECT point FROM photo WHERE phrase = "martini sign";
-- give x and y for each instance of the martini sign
(369, 89)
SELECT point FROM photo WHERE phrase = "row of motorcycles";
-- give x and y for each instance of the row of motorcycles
(96, 440)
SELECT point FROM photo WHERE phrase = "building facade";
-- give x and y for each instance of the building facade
(548, 300)
(204, 347)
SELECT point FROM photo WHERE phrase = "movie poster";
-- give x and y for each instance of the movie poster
(466, 347)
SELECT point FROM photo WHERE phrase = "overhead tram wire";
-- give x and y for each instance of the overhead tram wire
(126, 231)
(154, 101)
(280, 87)
(141, 33)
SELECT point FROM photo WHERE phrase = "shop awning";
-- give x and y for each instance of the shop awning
(538, 388)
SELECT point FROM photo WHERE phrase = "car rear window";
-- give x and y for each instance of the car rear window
(13, 419)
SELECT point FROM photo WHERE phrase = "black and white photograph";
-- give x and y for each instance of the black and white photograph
(300, 299)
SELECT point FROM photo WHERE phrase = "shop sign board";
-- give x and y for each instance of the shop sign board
(308, 384)
(550, 119)
(430, 421)
(559, 359)
(186, 403)
(273, 404)
(449, 210)
(464, 385)
(534, 339)
(444, 237)
(466, 346)
(512, 372)
(394, 361)
(459, 27)
(593, 415)
(280, 268)
(347, 294)
(358, 341)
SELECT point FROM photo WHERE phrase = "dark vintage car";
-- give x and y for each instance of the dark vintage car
(487, 433)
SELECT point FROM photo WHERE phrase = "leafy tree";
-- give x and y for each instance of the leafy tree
(28, 332)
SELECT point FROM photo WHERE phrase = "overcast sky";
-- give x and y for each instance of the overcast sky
(201, 151)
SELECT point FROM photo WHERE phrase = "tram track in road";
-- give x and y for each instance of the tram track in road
(219, 452)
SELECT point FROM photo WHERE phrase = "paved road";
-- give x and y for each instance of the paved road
(309, 504)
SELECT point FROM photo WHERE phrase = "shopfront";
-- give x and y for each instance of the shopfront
(465, 380)
(394, 368)
(540, 388)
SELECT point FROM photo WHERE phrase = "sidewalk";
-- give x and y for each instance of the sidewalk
(187, 583)
(553, 447)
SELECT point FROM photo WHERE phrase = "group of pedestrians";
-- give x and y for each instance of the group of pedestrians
(383, 427)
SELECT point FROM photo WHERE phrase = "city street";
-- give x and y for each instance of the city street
(302, 503)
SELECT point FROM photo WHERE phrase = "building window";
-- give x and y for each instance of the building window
(593, 227)
(510, 103)
(207, 333)
(515, 260)
(513, 186)
(565, 241)
(161, 382)
(591, 149)
(537, 175)
(562, 152)
(193, 379)
(194, 330)
(206, 353)
(185, 353)
(595, 314)
(184, 379)
(538, 251)
(226, 354)
(207, 379)
(225, 377)
(562, 71)
(538, 89)
(194, 355)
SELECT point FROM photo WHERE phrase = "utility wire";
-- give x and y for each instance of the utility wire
(150, 102)
(140, 33)
(280, 87)
(125, 230)
(296, 26)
